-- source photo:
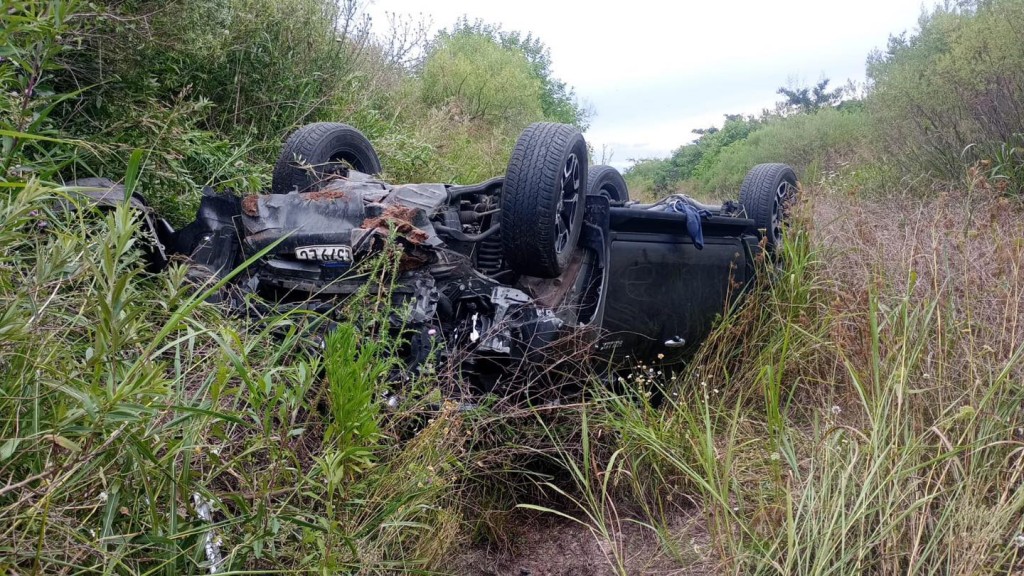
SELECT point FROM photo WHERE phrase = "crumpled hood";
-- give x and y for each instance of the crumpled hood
(345, 211)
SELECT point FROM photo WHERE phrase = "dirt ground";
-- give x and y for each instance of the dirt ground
(553, 546)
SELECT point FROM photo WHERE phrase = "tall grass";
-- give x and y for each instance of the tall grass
(861, 415)
(128, 403)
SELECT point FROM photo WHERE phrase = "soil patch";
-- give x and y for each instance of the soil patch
(401, 217)
(251, 205)
(551, 546)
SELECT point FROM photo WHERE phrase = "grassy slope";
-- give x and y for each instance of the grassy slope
(860, 415)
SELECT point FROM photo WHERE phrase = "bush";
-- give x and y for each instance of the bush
(208, 89)
(958, 82)
(648, 177)
(558, 102)
(813, 144)
(264, 65)
(479, 79)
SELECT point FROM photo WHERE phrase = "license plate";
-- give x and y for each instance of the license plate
(334, 253)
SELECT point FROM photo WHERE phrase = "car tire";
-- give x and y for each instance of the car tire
(542, 199)
(765, 195)
(606, 181)
(324, 146)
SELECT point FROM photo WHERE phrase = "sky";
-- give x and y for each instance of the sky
(655, 70)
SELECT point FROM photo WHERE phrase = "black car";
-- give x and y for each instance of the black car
(495, 275)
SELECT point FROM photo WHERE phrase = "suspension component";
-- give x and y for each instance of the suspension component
(488, 255)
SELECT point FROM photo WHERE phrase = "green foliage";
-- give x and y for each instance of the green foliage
(30, 43)
(479, 79)
(648, 177)
(954, 84)
(691, 160)
(558, 101)
(354, 370)
(810, 98)
(263, 65)
(1006, 166)
(938, 102)
(813, 144)
(209, 89)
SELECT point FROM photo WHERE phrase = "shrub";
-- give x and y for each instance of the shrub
(479, 79)
(958, 82)
(557, 100)
(663, 176)
(812, 143)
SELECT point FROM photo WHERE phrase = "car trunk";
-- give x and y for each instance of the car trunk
(664, 293)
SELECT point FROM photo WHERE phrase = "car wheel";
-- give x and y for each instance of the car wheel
(608, 182)
(315, 151)
(542, 200)
(765, 195)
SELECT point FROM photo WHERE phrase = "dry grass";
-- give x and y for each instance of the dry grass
(862, 415)
(961, 252)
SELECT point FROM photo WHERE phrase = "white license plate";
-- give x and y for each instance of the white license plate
(333, 253)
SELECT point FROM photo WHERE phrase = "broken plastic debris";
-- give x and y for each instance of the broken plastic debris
(204, 510)
(475, 334)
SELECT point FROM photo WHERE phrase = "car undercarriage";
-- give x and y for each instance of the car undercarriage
(489, 278)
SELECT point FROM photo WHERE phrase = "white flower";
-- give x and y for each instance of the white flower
(836, 410)
(1018, 540)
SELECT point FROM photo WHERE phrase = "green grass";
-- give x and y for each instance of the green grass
(818, 432)
(859, 413)
(124, 395)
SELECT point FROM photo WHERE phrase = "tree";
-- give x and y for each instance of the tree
(809, 98)
(482, 80)
(558, 101)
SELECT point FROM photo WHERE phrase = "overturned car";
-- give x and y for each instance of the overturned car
(492, 276)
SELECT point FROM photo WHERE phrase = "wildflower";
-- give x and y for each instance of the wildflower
(1018, 540)
(836, 410)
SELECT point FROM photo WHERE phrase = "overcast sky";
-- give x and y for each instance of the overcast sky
(654, 70)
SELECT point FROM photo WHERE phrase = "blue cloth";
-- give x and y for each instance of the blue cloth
(694, 216)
